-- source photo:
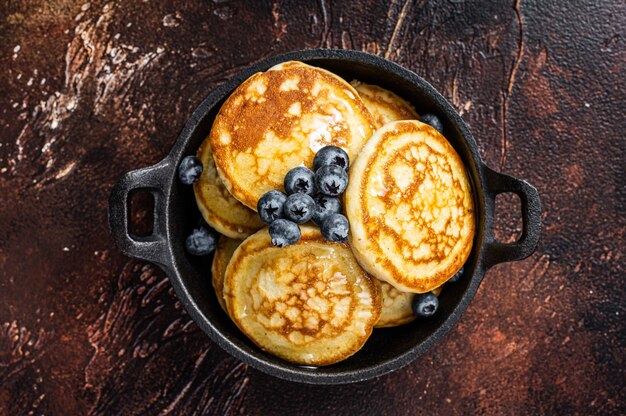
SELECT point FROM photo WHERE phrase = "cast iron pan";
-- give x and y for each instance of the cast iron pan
(175, 214)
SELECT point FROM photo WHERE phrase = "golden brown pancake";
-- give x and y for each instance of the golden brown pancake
(397, 306)
(224, 251)
(277, 120)
(410, 207)
(309, 303)
(384, 105)
(218, 207)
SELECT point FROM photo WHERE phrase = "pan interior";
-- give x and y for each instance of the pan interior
(387, 348)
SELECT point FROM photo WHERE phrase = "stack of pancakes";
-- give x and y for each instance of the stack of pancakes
(408, 202)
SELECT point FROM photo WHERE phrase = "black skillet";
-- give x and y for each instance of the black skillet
(175, 213)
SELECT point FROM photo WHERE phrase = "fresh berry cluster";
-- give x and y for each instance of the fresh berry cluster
(310, 196)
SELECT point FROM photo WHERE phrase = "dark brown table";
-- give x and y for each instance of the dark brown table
(91, 90)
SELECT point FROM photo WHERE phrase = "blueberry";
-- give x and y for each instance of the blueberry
(324, 207)
(201, 241)
(299, 208)
(331, 180)
(425, 304)
(300, 180)
(284, 232)
(457, 276)
(189, 170)
(433, 121)
(270, 206)
(331, 155)
(335, 228)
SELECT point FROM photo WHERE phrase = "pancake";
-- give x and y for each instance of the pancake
(309, 303)
(397, 306)
(277, 120)
(218, 207)
(384, 105)
(223, 252)
(410, 208)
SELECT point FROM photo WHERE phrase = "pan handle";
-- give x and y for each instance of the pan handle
(497, 252)
(153, 247)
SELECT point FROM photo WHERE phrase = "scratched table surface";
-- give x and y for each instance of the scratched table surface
(92, 90)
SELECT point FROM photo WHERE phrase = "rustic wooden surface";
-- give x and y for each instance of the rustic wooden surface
(92, 90)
